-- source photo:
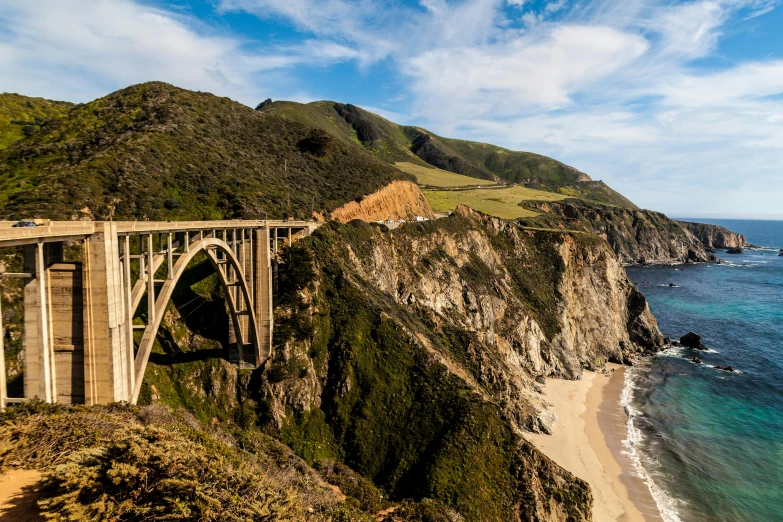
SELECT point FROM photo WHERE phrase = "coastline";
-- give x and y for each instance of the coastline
(589, 431)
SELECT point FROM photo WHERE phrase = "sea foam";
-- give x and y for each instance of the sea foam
(667, 505)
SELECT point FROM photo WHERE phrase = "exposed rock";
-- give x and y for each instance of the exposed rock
(734, 250)
(714, 236)
(398, 200)
(264, 104)
(636, 236)
(697, 360)
(725, 368)
(692, 340)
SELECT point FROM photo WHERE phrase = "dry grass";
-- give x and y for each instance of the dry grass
(500, 202)
(433, 177)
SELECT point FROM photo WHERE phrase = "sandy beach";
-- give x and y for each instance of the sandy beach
(588, 442)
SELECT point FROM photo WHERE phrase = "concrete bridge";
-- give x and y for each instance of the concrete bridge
(78, 335)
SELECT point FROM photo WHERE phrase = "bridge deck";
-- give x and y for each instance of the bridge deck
(53, 231)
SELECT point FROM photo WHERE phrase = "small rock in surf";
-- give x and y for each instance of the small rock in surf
(692, 340)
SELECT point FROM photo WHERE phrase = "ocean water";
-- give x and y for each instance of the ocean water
(710, 443)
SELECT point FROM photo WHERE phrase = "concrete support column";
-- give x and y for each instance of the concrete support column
(150, 282)
(262, 292)
(106, 366)
(40, 375)
(3, 389)
(170, 257)
(127, 290)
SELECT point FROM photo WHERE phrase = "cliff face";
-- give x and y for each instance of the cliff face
(414, 355)
(715, 236)
(397, 200)
(636, 236)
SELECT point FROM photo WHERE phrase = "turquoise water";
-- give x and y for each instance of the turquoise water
(711, 442)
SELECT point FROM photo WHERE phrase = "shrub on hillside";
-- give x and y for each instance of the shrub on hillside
(152, 473)
(120, 462)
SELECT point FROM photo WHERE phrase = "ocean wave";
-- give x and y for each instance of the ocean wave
(671, 351)
(667, 505)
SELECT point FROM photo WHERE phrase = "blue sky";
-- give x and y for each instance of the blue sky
(678, 105)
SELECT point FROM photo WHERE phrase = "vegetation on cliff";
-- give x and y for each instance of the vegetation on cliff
(22, 116)
(412, 366)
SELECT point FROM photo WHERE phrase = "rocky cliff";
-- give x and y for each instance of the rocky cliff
(397, 200)
(636, 236)
(415, 355)
(715, 236)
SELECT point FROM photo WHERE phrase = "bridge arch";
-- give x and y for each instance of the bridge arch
(211, 246)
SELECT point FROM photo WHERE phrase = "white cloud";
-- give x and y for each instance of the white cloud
(742, 83)
(691, 30)
(509, 77)
(77, 50)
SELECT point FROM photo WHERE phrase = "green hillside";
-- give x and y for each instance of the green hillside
(396, 143)
(154, 151)
(22, 116)
(434, 177)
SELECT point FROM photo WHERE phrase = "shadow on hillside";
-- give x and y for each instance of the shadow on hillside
(186, 357)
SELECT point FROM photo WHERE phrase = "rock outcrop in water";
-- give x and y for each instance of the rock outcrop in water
(692, 340)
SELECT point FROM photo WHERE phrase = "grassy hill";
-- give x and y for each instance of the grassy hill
(22, 116)
(159, 152)
(396, 143)
(500, 202)
(434, 177)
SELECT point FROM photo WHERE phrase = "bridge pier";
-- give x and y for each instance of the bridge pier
(107, 356)
(262, 291)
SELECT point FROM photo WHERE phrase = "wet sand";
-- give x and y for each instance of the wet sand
(588, 442)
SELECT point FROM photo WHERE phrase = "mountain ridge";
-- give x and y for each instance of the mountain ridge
(394, 143)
